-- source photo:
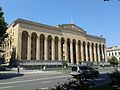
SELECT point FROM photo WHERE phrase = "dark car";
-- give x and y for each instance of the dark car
(78, 71)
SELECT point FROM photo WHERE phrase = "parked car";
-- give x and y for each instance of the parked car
(80, 71)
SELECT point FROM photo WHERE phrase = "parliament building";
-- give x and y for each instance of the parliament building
(32, 41)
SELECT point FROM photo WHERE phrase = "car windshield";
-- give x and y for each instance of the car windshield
(74, 68)
(83, 67)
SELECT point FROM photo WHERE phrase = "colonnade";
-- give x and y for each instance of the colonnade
(42, 47)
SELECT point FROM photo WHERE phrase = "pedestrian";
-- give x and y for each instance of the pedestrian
(65, 67)
(44, 68)
(18, 69)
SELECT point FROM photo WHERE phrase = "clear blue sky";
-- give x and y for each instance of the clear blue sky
(94, 16)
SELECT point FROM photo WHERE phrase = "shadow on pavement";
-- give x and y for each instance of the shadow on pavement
(9, 75)
(102, 79)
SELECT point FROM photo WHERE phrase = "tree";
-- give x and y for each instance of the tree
(3, 26)
(13, 61)
(80, 62)
(113, 61)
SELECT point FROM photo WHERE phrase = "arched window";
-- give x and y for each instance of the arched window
(24, 45)
(109, 54)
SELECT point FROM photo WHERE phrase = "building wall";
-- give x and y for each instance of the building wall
(113, 51)
(33, 40)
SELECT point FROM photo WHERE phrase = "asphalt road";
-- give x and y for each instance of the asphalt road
(41, 81)
(33, 81)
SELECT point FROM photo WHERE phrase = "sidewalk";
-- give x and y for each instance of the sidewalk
(22, 71)
(14, 73)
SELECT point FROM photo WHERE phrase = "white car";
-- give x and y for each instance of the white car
(80, 71)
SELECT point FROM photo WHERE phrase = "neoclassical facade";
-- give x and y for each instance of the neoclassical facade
(66, 42)
(113, 51)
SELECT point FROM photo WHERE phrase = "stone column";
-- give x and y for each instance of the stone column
(19, 46)
(95, 53)
(71, 51)
(82, 59)
(38, 49)
(29, 48)
(45, 49)
(91, 59)
(66, 52)
(105, 54)
(98, 53)
(77, 56)
(86, 51)
(59, 50)
(102, 53)
(53, 49)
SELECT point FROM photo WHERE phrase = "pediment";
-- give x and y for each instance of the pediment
(73, 27)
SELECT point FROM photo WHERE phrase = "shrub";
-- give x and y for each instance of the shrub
(80, 62)
(74, 85)
(115, 76)
(113, 61)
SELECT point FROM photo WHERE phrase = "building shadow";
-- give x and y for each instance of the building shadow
(9, 75)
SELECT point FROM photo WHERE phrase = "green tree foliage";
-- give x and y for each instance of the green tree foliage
(80, 62)
(113, 61)
(3, 26)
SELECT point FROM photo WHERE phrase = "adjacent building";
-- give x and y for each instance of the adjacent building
(113, 51)
(30, 40)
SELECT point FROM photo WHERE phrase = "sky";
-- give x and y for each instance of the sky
(94, 16)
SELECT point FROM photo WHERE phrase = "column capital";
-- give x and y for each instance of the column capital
(101, 46)
(71, 41)
(90, 44)
(29, 36)
(65, 39)
(38, 37)
(53, 39)
(59, 40)
(45, 38)
(76, 43)
(81, 43)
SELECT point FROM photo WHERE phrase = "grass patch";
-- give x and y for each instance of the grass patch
(105, 69)
(65, 71)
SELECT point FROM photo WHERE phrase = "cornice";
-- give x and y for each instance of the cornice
(59, 28)
(95, 37)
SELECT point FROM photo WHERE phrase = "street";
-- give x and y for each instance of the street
(40, 80)
(33, 81)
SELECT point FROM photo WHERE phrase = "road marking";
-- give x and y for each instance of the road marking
(6, 87)
(46, 82)
(33, 80)
(46, 88)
